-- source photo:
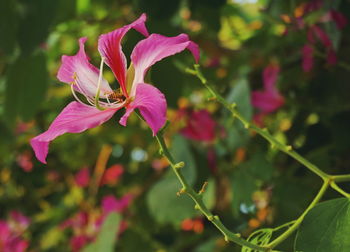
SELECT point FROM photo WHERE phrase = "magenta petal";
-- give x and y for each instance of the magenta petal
(152, 105)
(307, 58)
(267, 101)
(77, 70)
(340, 20)
(74, 118)
(331, 57)
(109, 46)
(155, 48)
(270, 76)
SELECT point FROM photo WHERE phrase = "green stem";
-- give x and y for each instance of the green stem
(284, 225)
(341, 178)
(296, 224)
(338, 189)
(197, 198)
(262, 132)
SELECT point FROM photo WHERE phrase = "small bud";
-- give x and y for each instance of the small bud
(289, 148)
(234, 105)
(226, 238)
(196, 206)
(179, 165)
(216, 217)
(211, 218)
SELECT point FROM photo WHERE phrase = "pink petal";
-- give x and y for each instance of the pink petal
(82, 178)
(324, 38)
(109, 46)
(200, 126)
(307, 58)
(340, 20)
(156, 47)
(74, 118)
(267, 101)
(77, 71)
(111, 204)
(152, 105)
(270, 76)
(331, 57)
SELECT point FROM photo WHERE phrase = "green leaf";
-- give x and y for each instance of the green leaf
(107, 237)
(164, 205)
(8, 15)
(243, 186)
(240, 94)
(26, 85)
(34, 27)
(326, 228)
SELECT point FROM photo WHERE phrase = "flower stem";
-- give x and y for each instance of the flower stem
(297, 223)
(262, 132)
(197, 198)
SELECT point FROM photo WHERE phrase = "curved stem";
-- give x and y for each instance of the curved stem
(197, 198)
(262, 132)
(339, 190)
(341, 178)
(296, 224)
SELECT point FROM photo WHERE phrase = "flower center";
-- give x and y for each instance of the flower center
(116, 99)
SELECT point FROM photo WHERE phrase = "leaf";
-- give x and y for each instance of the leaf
(26, 84)
(107, 237)
(34, 27)
(243, 186)
(240, 94)
(164, 205)
(326, 228)
(8, 32)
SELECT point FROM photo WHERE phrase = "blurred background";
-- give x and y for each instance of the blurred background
(285, 63)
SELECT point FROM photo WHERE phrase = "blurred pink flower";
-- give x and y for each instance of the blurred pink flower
(112, 204)
(82, 177)
(11, 231)
(104, 102)
(199, 125)
(340, 20)
(307, 57)
(24, 160)
(269, 99)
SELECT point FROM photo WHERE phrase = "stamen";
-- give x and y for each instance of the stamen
(75, 95)
(97, 96)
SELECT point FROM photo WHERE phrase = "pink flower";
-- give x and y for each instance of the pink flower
(111, 204)
(268, 100)
(199, 125)
(307, 57)
(82, 178)
(11, 233)
(340, 20)
(104, 102)
(24, 160)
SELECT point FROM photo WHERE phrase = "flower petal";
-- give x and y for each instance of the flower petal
(156, 47)
(109, 46)
(307, 57)
(267, 101)
(270, 76)
(74, 118)
(77, 71)
(152, 105)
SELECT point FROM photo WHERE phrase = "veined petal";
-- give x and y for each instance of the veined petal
(77, 71)
(74, 118)
(156, 47)
(109, 46)
(152, 105)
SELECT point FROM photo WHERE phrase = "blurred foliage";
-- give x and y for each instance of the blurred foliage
(251, 185)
